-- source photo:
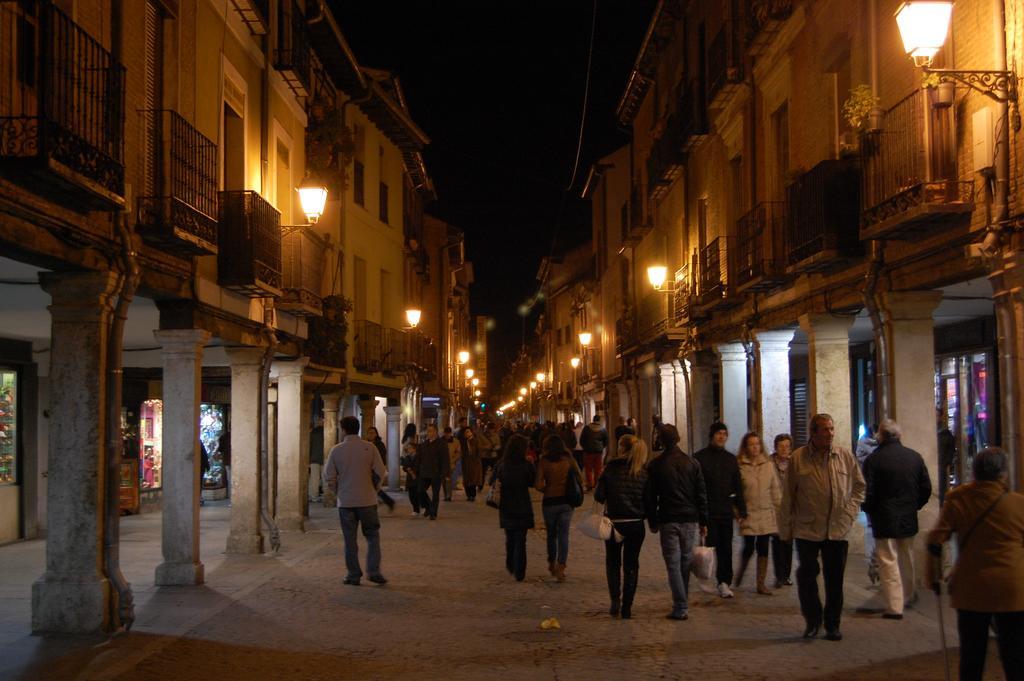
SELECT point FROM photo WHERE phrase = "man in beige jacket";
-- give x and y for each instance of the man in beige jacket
(822, 497)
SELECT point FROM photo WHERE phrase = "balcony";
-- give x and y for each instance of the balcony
(693, 113)
(765, 19)
(369, 345)
(422, 353)
(327, 342)
(625, 332)
(760, 256)
(725, 66)
(638, 227)
(682, 296)
(822, 217)
(716, 284)
(652, 319)
(665, 162)
(61, 109)
(255, 14)
(394, 351)
(911, 189)
(302, 251)
(292, 56)
(249, 244)
(178, 211)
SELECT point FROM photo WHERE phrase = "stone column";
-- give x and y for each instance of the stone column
(667, 388)
(702, 377)
(245, 535)
(733, 358)
(368, 411)
(681, 419)
(331, 406)
(291, 474)
(909, 327)
(828, 364)
(394, 442)
(73, 594)
(305, 421)
(772, 357)
(182, 384)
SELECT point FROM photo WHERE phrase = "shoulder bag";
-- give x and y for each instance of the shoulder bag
(493, 498)
(596, 525)
(573, 486)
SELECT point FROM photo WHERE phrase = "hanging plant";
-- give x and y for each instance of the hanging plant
(330, 144)
(326, 343)
(857, 109)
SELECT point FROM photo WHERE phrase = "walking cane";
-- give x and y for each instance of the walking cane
(937, 588)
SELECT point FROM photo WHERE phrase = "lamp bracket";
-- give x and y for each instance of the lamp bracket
(1000, 86)
(291, 229)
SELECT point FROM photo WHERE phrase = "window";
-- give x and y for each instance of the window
(358, 186)
(284, 183)
(384, 203)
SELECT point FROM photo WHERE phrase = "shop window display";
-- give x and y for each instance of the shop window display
(151, 444)
(964, 397)
(212, 424)
(8, 426)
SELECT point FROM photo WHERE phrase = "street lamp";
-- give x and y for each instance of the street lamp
(412, 316)
(657, 274)
(541, 376)
(313, 197)
(476, 393)
(463, 356)
(522, 391)
(520, 398)
(469, 373)
(533, 385)
(585, 338)
(575, 362)
(475, 382)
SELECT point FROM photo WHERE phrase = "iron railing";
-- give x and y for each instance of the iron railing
(625, 331)
(725, 66)
(910, 163)
(762, 14)
(178, 211)
(302, 251)
(665, 161)
(394, 351)
(652, 314)
(255, 14)
(693, 112)
(422, 353)
(249, 244)
(822, 215)
(368, 341)
(681, 296)
(293, 55)
(760, 264)
(714, 271)
(62, 109)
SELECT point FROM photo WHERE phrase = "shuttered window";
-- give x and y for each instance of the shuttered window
(152, 98)
(798, 411)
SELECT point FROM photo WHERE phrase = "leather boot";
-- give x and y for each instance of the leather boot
(629, 581)
(551, 567)
(762, 574)
(614, 589)
(560, 572)
(744, 562)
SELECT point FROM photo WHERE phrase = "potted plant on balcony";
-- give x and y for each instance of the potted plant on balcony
(326, 343)
(944, 91)
(861, 110)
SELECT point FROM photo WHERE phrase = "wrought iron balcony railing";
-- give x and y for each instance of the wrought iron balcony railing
(249, 246)
(178, 210)
(693, 112)
(682, 295)
(665, 162)
(760, 258)
(715, 277)
(368, 344)
(911, 186)
(255, 14)
(822, 216)
(422, 354)
(302, 251)
(764, 19)
(394, 351)
(725, 65)
(61, 108)
(292, 56)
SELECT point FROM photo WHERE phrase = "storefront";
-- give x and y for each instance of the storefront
(18, 465)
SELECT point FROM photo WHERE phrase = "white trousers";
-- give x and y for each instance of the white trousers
(896, 571)
(313, 489)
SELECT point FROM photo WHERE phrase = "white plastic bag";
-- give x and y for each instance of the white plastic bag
(596, 526)
(703, 565)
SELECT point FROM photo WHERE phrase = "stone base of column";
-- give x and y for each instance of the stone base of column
(245, 543)
(68, 606)
(179, 574)
(291, 523)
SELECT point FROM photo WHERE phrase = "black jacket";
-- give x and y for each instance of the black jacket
(594, 439)
(722, 477)
(677, 493)
(432, 459)
(898, 486)
(627, 496)
(515, 510)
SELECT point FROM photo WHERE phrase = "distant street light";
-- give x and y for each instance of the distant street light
(463, 356)
(522, 391)
(475, 382)
(469, 372)
(575, 362)
(533, 385)
(585, 338)
(541, 376)
(412, 315)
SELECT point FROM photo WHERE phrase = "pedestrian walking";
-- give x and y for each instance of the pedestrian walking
(725, 501)
(515, 509)
(451, 478)
(472, 467)
(594, 441)
(374, 438)
(678, 511)
(625, 488)
(408, 463)
(987, 583)
(623, 428)
(489, 446)
(554, 471)
(354, 472)
(947, 455)
(762, 495)
(782, 551)
(316, 460)
(577, 450)
(431, 469)
(823, 493)
(865, 447)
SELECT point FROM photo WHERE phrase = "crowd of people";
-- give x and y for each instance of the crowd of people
(803, 501)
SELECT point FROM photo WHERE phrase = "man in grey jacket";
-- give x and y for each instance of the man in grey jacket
(354, 472)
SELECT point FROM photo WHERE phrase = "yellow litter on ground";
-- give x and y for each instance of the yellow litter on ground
(550, 623)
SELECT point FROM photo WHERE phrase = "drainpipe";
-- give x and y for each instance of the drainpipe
(268, 357)
(876, 262)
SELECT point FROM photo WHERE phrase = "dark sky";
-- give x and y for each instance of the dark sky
(498, 87)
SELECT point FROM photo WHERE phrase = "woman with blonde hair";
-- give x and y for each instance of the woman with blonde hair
(762, 493)
(624, 487)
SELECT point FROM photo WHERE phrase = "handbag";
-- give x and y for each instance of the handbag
(703, 564)
(573, 487)
(596, 525)
(493, 498)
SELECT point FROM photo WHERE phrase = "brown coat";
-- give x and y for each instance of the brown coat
(763, 494)
(553, 475)
(989, 574)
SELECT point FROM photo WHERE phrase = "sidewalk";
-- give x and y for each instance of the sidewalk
(449, 611)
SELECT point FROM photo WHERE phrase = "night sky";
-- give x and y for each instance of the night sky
(499, 87)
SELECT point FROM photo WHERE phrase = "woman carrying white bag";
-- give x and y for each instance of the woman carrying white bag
(624, 487)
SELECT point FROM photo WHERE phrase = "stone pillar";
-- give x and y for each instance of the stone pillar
(73, 594)
(182, 384)
(667, 386)
(331, 406)
(702, 409)
(772, 357)
(394, 442)
(368, 411)
(271, 452)
(291, 473)
(828, 364)
(680, 418)
(305, 421)
(909, 327)
(733, 358)
(245, 535)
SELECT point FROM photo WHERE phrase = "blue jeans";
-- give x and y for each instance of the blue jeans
(677, 543)
(557, 519)
(351, 519)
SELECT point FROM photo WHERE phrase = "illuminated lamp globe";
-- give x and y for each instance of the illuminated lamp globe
(412, 315)
(923, 26)
(463, 356)
(575, 362)
(533, 385)
(313, 198)
(541, 376)
(469, 373)
(520, 398)
(475, 382)
(657, 274)
(585, 338)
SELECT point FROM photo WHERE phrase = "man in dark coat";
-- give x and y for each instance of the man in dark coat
(725, 501)
(432, 466)
(947, 456)
(898, 486)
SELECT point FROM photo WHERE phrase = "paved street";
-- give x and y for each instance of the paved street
(450, 611)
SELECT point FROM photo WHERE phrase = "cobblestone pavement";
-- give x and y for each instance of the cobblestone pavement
(450, 611)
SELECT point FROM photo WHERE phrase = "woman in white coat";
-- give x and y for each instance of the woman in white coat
(763, 494)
